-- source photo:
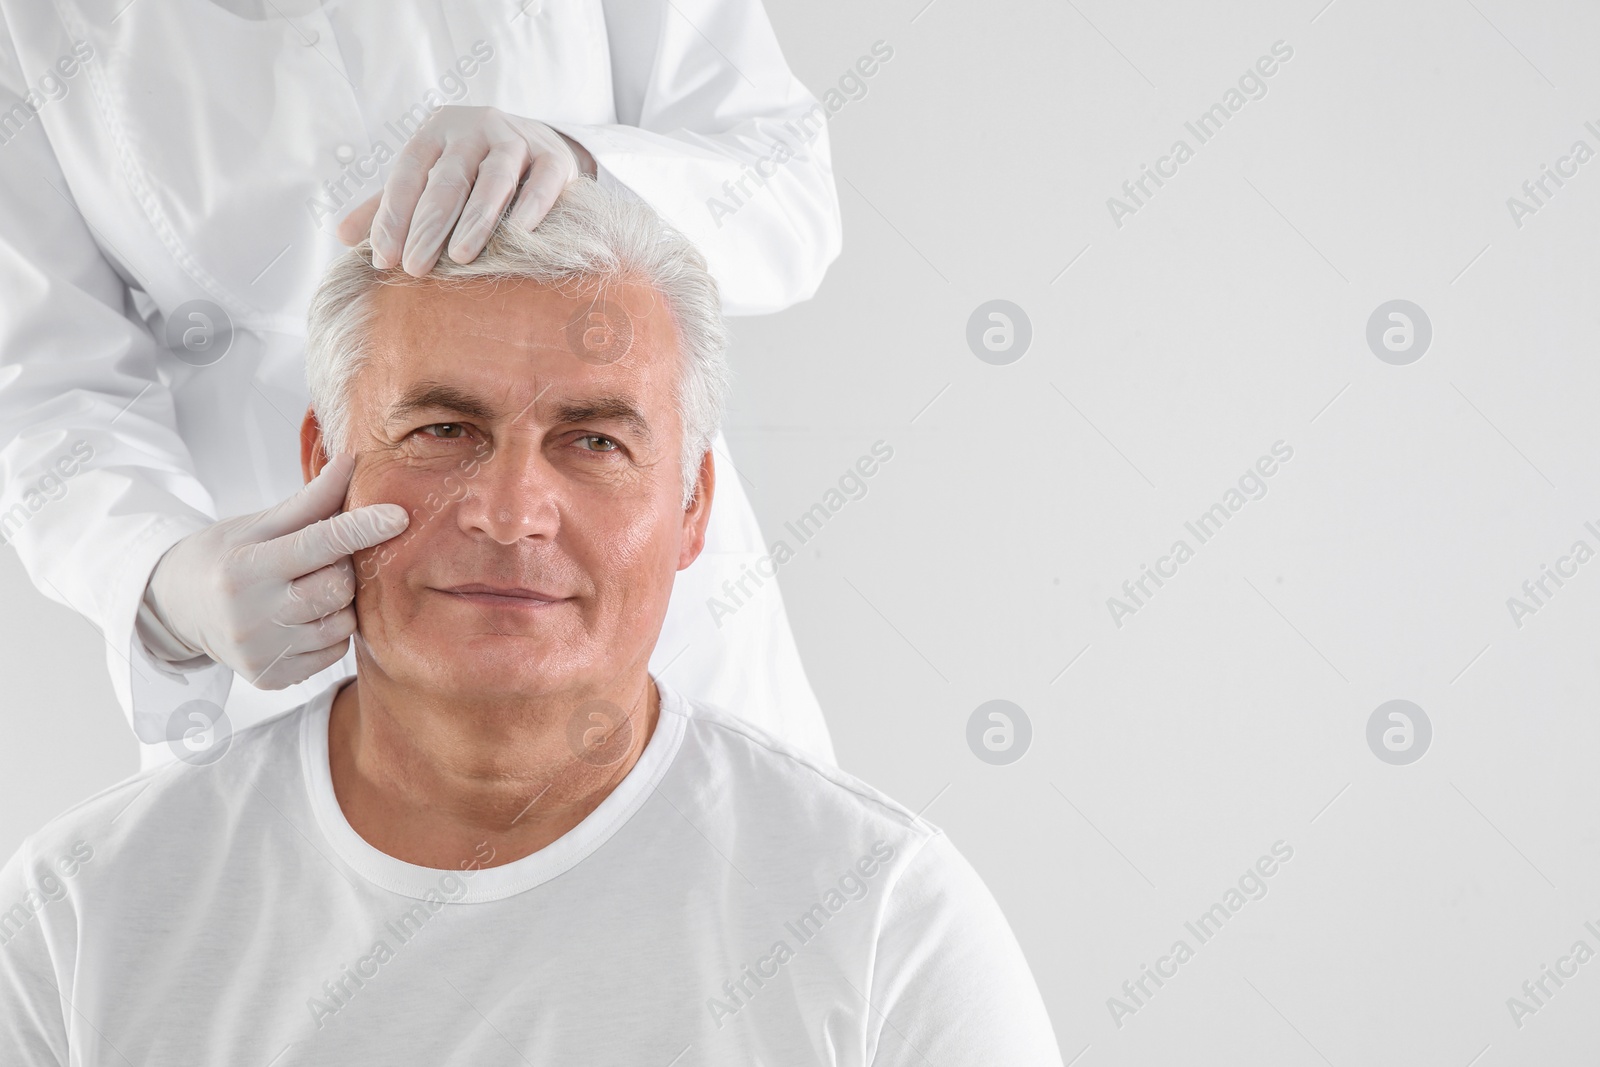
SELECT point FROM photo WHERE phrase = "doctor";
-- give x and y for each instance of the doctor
(174, 176)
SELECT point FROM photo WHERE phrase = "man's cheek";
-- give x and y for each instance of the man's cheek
(427, 492)
(380, 574)
(369, 561)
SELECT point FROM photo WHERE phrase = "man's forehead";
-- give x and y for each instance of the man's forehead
(524, 313)
(620, 332)
(503, 350)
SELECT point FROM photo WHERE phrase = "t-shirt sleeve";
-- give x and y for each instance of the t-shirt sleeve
(950, 985)
(32, 1029)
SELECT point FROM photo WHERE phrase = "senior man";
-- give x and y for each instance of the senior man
(503, 841)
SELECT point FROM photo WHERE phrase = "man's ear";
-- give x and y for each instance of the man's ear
(698, 514)
(313, 457)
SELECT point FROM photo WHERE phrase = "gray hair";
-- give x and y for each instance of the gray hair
(591, 235)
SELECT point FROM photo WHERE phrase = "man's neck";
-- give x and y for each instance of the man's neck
(442, 785)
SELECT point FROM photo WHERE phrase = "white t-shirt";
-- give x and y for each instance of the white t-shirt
(731, 902)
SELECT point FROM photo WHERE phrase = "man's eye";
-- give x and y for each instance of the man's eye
(599, 437)
(457, 430)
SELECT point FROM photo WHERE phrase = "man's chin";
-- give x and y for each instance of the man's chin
(485, 666)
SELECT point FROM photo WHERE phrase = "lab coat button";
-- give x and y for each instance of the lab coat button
(344, 153)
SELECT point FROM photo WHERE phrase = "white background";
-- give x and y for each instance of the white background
(1227, 314)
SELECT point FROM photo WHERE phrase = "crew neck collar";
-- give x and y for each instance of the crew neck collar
(487, 883)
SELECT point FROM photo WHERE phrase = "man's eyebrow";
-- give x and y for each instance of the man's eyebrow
(605, 409)
(432, 396)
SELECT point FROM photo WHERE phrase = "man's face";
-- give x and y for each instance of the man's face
(523, 467)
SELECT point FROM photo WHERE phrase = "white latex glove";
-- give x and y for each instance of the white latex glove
(463, 164)
(270, 595)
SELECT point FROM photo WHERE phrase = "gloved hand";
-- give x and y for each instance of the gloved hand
(270, 594)
(480, 151)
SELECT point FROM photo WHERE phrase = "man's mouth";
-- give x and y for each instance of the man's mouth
(506, 596)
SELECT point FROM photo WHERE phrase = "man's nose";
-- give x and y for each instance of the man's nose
(515, 494)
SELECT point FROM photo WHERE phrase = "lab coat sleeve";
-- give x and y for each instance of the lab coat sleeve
(723, 142)
(95, 482)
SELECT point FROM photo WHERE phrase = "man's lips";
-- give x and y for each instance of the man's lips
(503, 595)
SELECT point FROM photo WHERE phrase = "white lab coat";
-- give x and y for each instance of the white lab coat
(157, 152)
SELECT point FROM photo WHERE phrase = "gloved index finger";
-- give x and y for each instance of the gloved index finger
(391, 224)
(319, 498)
(330, 540)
